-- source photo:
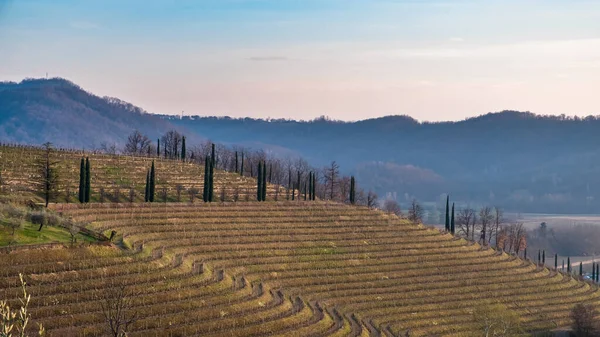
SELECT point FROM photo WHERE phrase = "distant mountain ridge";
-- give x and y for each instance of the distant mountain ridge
(519, 160)
(57, 110)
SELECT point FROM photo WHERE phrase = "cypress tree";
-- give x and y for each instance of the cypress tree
(555, 261)
(158, 147)
(448, 213)
(236, 162)
(206, 180)
(539, 256)
(580, 268)
(293, 191)
(593, 271)
(264, 183)
(147, 191)
(152, 183)
(452, 221)
(242, 166)
(82, 181)
(211, 179)
(259, 183)
(525, 254)
(88, 179)
(213, 159)
(597, 273)
(544, 257)
(569, 265)
(271, 173)
(183, 148)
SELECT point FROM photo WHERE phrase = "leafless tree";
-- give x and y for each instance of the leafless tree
(178, 190)
(164, 193)
(584, 320)
(222, 194)
(498, 219)
(68, 193)
(464, 219)
(331, 174)
(73, 231)
(110, 149)
(485, 219)
(47, 174)
(415, 213)
(117, 308)
(512, 238)
(117, 194)
(344, 186)
(137, 144)
(391, 206)
(171, 142)
(102, 195)
(236, 193)
(192, 192)
(131, 194)
(372, 200)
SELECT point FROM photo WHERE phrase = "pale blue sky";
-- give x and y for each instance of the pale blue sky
(348, 59)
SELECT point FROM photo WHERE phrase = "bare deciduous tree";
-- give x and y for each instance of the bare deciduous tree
(485, 219)
(464, 219)
(512, 238)
(178, 190)
(137, 143)
(498, 219)
(47, 174)
(193, 192)
(331, 174)
(117, 307)
(372, 200)
(391, 206)
(170, 143)
(584, 320)
(415, 213)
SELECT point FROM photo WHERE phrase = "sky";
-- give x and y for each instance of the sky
(347, 59)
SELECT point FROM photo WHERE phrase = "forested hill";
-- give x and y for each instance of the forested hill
(521, 161)
(37, 110)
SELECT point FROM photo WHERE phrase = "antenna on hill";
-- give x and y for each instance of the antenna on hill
(181, 116)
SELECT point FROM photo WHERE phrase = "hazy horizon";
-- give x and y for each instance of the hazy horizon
(349, 60)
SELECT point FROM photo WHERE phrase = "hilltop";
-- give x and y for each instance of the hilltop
(56, 110)
(517, 160)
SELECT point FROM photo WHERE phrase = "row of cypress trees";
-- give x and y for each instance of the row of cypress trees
(150, 184)
(449, 216)
(84, 180)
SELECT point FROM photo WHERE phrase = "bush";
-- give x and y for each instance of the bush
(584, 324)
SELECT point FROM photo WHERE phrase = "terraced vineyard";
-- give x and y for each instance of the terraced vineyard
(265, 269)
(286, 269)
(118, 174)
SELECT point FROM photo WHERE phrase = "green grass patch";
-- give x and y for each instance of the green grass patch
(28, 234)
